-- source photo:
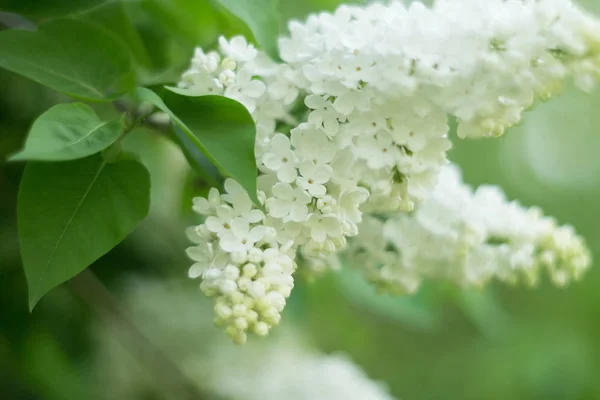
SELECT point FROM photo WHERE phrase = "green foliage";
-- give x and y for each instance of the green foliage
(415, 311)
(114, 17)
(72, 57)
(262, 19)
(43, 9)
(221, 128)
(196, 158)
(68, 132)
(72, 213)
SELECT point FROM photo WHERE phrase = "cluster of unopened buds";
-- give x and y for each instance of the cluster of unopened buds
(352, 137)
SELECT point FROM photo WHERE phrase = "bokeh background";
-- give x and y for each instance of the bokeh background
(500, 343)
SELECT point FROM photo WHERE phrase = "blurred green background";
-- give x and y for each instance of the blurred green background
(502, 343)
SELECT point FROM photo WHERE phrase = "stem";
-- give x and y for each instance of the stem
(123, 107)
(99, 299)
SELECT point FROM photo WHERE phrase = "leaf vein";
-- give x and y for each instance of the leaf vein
(66, 77)
(77, 208)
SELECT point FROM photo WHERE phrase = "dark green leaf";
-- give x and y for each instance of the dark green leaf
(113, 17)
(71, 213)
(67, 132)
(261, 18)
(196, 158)
(192, 22)
(72, 57)
(221, 128)
(39, 9)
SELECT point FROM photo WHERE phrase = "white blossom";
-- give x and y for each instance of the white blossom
(240, 237)
(468, 237)
(354, 124)
(245, 89)
(238, 49)
(313, 178)
(288, 203)
(289, 370)
(242, 266)
(280, 158)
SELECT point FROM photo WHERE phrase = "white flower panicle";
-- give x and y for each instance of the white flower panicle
(287, 370)
(468, 237)
(241, 264)
(482, 61)
(355, 119)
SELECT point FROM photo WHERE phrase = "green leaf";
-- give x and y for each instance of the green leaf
(196, 158)
(413, 311)
(71, 213)
(484, 311)
(67, 132)
(221, 128)
(39, 9)
(261, 17)
(113, 17)
(72, 57)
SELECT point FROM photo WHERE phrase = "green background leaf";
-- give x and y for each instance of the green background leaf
(41, 9)
(71, 213)
(220, 127)
(262, 19)
(72, 57)
(67, 132)
(114, 17)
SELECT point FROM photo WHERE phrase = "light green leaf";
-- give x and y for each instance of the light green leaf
(72, 57)
(67, 132)
(484, 311)
(43, 9)
(261, 17)
(221, 128)
(71, 213)
(413, 311)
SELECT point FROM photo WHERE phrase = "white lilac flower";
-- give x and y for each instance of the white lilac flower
(379, 151)
(355, 121)
(280, 158)
(288, 203)
(283, 87)
(348, 208)
(207, 206)
(323, 226)
(220, 221)
(237, 196)
(240, 237)
(310, 144)
(477, 236)
(227, 78)
(207, 63)
(241, 265)
(238, 49)
(288, 370)
(201, 83)
(323, 114)
(245, 89)
(313, 178)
